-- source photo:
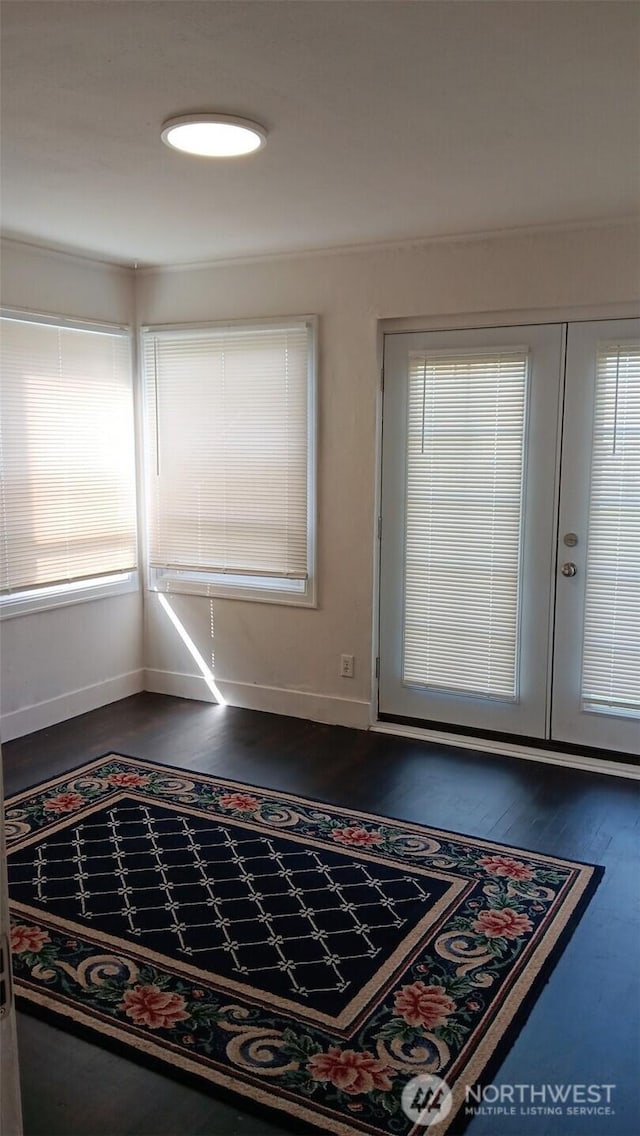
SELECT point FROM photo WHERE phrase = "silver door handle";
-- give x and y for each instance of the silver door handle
(568, 569)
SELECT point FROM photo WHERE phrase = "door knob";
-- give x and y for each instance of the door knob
(569, 569)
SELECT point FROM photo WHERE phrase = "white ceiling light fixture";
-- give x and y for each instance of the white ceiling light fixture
(213, 135)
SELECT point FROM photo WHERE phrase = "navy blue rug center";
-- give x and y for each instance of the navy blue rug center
(301, 922)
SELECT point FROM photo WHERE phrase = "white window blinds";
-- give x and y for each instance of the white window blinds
(228, 450)
(464, 487)
(611, 648)
(67, 509)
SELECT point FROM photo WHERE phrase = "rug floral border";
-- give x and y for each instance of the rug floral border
(451, 1009)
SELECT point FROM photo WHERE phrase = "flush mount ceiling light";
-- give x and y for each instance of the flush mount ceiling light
(213, 135)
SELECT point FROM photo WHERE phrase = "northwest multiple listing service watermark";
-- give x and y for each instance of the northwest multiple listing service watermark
(427, 1100)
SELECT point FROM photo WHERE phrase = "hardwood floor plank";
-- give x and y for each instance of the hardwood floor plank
(583, 1029)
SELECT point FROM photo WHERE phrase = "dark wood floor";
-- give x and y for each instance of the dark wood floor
(584, 1028)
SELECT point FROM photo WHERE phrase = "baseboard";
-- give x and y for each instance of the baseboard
(611, 768)
(330, 709)
(42, 714)
(178, 684)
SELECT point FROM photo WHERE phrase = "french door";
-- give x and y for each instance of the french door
(596, 686)
(473, 578)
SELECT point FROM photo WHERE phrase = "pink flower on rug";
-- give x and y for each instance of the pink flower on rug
(426, 1006)
(502, 923)
(128, 780)
(64, 803)
(350, 1071)
(357, 837)
(31, 939)
(506, 866)
(153, 1007)
(241, 802)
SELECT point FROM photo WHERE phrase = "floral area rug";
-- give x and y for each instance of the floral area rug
(312, 958)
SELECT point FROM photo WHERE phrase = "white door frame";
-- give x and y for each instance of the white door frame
(462, 320)
(570, 722)
(10, 1105)
(528, 717)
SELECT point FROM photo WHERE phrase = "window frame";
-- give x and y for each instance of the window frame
(47, 597)
(213, 585)
(27, 602)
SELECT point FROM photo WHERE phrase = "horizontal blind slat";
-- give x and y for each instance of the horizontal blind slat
(464, 486)
(227, 422)
(611, 643)
(68, 505)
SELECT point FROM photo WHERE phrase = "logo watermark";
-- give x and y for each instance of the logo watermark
(524, 1099)
(426, 1099)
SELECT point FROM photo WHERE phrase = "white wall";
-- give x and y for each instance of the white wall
(59, 663)
(63, 662)
(286, 659)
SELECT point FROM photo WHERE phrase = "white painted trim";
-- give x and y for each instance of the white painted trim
(10, 1103)
(48, 598)
(360, 248)
(39, 715)
(70, 253)
(178, 684)
(510, 317)
(330, 709)
(69, 323)
(512, 749)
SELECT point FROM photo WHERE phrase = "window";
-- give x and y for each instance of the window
(68, 499)
(464, 490)
(611, 646)
(229, 459)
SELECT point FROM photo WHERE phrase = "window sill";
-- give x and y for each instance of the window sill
(299, 593)
(46, 599)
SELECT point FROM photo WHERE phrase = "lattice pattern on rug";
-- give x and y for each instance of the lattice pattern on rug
(311, 957)
(230, 900)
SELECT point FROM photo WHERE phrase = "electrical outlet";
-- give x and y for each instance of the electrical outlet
(346, 666)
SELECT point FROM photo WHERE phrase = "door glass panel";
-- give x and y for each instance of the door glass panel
(464, 497)
(611, 644)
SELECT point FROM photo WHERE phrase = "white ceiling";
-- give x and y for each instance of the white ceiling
(387, 119)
